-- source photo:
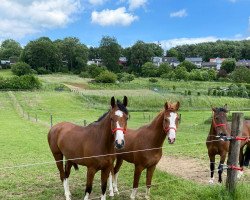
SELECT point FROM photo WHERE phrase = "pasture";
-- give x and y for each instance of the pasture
(28, 170)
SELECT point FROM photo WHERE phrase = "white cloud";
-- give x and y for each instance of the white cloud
(134, 4)
(167, 44)
(180, 13)
(113, 17)
(21, 18)
(97, 2)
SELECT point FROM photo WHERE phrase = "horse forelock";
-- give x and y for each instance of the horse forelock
(221, 110)
(122, 107)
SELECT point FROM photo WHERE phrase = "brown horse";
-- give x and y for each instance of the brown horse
(220, 128)
(145, 145)
(91, 146)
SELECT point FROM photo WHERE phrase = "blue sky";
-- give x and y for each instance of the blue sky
(171, 22)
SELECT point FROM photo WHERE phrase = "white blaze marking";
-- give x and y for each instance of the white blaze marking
(66, 189)
(119, 134)
(172, 119)
(119, 113)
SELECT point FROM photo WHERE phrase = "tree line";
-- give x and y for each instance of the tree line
(223, 49)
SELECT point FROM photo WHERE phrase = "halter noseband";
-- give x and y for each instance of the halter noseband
(217, 125)
(167, 129)
(119, 129)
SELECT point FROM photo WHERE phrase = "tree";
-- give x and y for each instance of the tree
(94, 53)
(42, 53)
(172, 53)
(140, 54)
(164, 68)
(188, 65)
(73, 53)
(10, 48)
(241, 74)
(110, 51)
(228, 65)
(149, 70)
(156, 48)
(181, 73)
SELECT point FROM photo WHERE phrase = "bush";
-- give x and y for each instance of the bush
(241, 74)
(153, 80)
(106, 77)
(149, 70)
(125, 77)
(189, 92)
(21, 68)
(84, 75)
(95, 70)
(42, 70)
(26, 82)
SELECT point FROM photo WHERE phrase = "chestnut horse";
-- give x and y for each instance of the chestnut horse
(221, 128)
(91, 146)
(145, 145)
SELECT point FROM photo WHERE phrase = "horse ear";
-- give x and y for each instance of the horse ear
(125, 101)
(112, 102)
(225, 107)
(166, 106)
(177, 106)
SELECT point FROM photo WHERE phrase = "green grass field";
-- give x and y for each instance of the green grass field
(23, 142)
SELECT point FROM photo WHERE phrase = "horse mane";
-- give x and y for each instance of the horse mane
(120, 106)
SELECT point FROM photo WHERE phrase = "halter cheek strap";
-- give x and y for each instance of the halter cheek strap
(119, 129)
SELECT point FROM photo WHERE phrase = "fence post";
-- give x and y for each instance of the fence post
(234, 150)
(85, 122)
(51, 120)
(36, 117)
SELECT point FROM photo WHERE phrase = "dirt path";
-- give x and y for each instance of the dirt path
(191, 169)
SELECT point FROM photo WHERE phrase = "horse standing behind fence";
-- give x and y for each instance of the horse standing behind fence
(91, 146)
(220, 129)
(145, 145)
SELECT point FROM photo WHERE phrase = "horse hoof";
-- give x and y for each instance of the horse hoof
(147, 197)
(211, 181)
(111, 194)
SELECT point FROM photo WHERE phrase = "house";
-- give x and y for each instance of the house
(195, 60)
(96, 61)
(157, 61)
(173, 61)
(243, 63)
(123, 61)
(208, 65)
(5, 63)
(218, 62)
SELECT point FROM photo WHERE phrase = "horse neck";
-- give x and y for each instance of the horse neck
(104, 134)
(156, 135)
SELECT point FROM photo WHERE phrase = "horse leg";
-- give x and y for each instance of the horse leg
(137, 175)
(67, 193)
(90, 177)
(212, 163)
(220, 168)
(104, 178)
(116, 172)
(59, 163)
(150, 172)
(111, 175)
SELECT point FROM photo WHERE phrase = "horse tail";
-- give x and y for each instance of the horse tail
(247, 156)
(75, 166)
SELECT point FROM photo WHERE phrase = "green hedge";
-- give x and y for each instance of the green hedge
(26, 82)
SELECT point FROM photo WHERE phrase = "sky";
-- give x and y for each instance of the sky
(166, 22)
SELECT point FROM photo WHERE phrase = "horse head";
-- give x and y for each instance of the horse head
(171, 120)
(219, 120)
(119, 117)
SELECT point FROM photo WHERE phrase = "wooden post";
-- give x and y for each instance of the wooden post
(234, 150)
(36, 117)
(85, 122)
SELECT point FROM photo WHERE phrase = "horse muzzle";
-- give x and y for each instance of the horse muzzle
(119, 144)
(171, 140)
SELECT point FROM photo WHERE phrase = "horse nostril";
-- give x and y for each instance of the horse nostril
(119, 146)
